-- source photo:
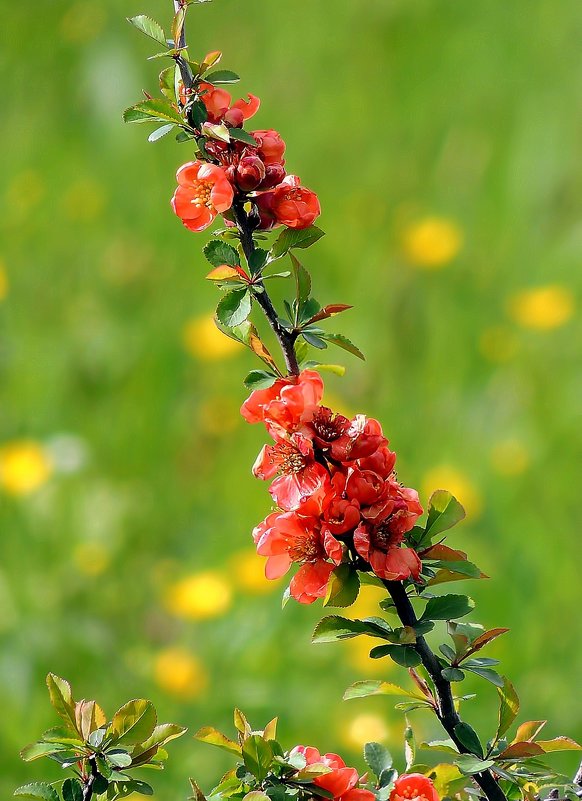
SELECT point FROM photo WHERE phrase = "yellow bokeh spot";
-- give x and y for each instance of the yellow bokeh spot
(432, 243)
(204, 341)
(219, 415)
(366, 604)
(358, 650)
(337, 404)
(83, 22)
(24, 467)
(510, 457)
(84, 200)
(366, 728)
(543, 308)
(3, 281)
(498, 344)
(199, 596)
(180, 673)
(248, 572)
(449, 478)
(91, 558)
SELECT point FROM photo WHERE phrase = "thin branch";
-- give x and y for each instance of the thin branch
(184, 67)
(88, 788)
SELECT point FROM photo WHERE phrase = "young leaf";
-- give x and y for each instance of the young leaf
(257, 755)
(448, 607)
(293, 238)
(134, 722)
(37, 750)
(469, 764)
(222, 76)
(484, 639)
(343, 588)
(153, 110)
(444, 512)
(219, 253)
(528, 730)
(521, 751)
(334, 628)
(259, 379)
(37, 790)
(213, 737)
(362, 689)
(62, 700)
(409, 746)
(150, 27)
(508, 707)
(234, 307)
(343, 342)
(468, 737)
(329, 311)
(377, 757)
(558, 744)
(302, 280)
(159, 132)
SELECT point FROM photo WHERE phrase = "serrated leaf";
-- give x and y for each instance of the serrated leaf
(72, 790)
(448, 607)
(468, 737)
(378, 758)
(150, 27)
(153, 110)
(257, 755)
(209, 735)
(89, 716)
(222, 76)
(293, 238)
(343, 586)
(41, 790)
(234, 308)
(409, 746)
(559, 744)
(343, 342)
(440, 745)
(61, 699)
(37, 750)
(167, 80)
(334, 628)
(508, 707)
(134, 722)
(162, 131)
(444, 512)
(362, 689)
(220, 253)
(302, 280)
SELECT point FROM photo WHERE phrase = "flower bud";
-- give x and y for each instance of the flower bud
(274, 174)
(249, 173)
(271, 146)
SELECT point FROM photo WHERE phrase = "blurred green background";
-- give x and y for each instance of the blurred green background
(444, 141)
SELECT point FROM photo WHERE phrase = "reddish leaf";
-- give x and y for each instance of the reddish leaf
(520, 750)
(328, 311)
(528, 730)
(224, 273)
(559, 744)
(444, 553)
(483, 639)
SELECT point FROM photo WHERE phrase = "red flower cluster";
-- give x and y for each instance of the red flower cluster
(253, 173)
(335, 491)
(414, 787)
(341, 781)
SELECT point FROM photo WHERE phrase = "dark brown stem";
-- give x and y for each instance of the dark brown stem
(285, 338)
(446, 711)
(88, 788)
(184, 67)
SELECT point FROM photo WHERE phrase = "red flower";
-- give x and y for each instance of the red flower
(412, 786)
(219, 108)
(203, 192)
(270, 145)
(341, 781)
(379, 546)
(293, 205)
(286, 537)
(286, 405)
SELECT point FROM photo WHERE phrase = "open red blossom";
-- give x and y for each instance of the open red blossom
(218, 105)
(286, 537)
(293, 205)
(301, 477)
(203, 192)
(380, 547)
(286, 405)
(341, 781)
(271, 146)
(414, 787)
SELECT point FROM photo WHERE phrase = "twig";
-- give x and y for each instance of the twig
(88, 788)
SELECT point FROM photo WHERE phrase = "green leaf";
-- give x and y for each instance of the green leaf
(401, 654)
(334, 628)
(444, 512)
(409, 746)
(302, 280)
(167, 81)
(293, 238)
(559, 744)
(134, 722)
(486, 673)
(257, 755)
(257, 261)
(100, 785)
(468, 737)
(218, 253)
(463, 567)
(343, 587)
(469, 764)
(508, 707)
(259, 379)
(40, 790)
(197, 113)
(213, 737)
(72, 790)
(448, 607)
(138, 786)
(153, 110)
(37, 750)
(62, 700)
(242, 136)
(314, 340)
(159, 132)
(343, 342)
(118, 758)
(234, 307)
(150, 27)
(362, 689)
(453, 674)
(62, 735)
(377, 757)
(440, 745)
(222, 76)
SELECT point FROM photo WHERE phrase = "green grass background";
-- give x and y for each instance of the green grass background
(392, 110)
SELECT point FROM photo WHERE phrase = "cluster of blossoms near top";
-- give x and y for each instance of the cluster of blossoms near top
(337, 496)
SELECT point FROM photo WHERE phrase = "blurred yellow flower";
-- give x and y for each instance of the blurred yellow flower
(366, 603)
(91, 558)
(82, 22)
(84, 200)
(180, 673)
(542, 308)
(432, 243)
(358, 650)
(366, 728)
(449, 478)
(3, 281)
(248, 572)
(199, 596)
(498, 344)
(510, 457)
(24, 467)
(203, 340)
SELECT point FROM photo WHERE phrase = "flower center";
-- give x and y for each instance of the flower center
(382, 539)
(289, 459)
(201, 193)
(328, 426)
(307, 549)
